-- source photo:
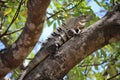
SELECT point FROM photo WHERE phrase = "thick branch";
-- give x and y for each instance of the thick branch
(13, 56)
(103, 32)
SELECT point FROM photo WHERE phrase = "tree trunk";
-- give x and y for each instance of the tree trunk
(101, 33)
(13, 56)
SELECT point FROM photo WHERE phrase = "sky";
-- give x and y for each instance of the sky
(48, 30)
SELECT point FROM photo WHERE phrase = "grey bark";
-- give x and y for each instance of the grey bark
(13, 56)
(61, 35)
(96, 36)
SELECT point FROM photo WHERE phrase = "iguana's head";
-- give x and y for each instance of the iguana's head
(78, 22)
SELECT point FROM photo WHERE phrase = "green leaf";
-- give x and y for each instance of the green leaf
(49, 23)
(97, 2)
(54, 26)
(7, 11)
(103, 52)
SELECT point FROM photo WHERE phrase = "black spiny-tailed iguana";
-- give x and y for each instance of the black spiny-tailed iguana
(57, 39)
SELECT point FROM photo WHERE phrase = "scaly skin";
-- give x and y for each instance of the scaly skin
(57, 39)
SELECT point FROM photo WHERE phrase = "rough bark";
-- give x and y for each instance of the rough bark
(101, 33)
(13, 56)
(57, 38)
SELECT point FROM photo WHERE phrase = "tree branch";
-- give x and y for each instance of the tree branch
(114, 76)
(101, 33)
(13, 56)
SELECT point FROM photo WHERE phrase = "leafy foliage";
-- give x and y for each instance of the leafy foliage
(12, 16)
(102, 64)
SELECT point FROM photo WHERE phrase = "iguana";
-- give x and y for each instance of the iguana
(56, 40)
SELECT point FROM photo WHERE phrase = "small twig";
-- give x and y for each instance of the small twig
(110, 59)
(113, 76)
(63, 10)
(29, 59)
(57, 12)
(14, 18)
(94, 64)
(86, 68)
(9, 33)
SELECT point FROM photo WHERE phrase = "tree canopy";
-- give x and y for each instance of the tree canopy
(17, 15)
